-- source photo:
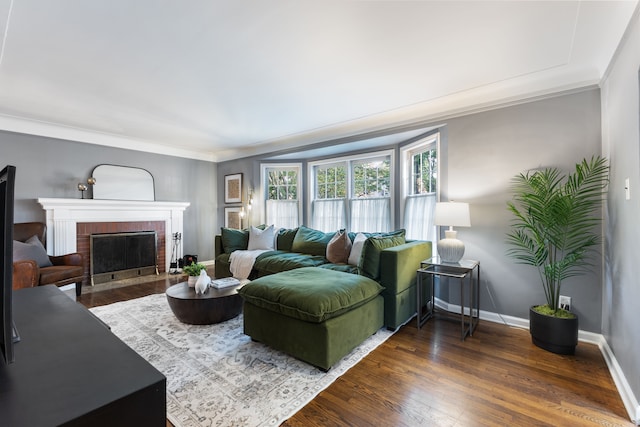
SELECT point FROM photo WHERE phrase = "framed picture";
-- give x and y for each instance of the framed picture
(232, 218)
(233, 188)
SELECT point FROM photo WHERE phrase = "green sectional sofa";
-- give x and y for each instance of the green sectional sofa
(386, 258)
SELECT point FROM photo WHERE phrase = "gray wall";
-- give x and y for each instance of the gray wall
(621, 140)
(485, 151)
(49, 167)
(250, 170)
(481, 153)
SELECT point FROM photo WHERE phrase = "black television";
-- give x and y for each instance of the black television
(8, 333)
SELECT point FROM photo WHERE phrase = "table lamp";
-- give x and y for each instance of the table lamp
(452, 214)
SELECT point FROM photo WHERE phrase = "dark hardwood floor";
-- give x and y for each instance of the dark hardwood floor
(429, 377)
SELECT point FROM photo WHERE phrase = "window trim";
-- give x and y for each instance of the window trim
(264, 168)
(391, 153)
(406, 153)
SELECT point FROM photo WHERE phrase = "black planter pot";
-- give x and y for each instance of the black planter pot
(553, 334)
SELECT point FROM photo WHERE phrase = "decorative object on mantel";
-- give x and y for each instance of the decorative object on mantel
(193, 270)
(452, 214)
(91, 181)
(233, 188)
(82, 188)
(113, 182)
(215, 374)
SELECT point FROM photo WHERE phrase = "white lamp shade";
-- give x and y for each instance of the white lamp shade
(453, 214)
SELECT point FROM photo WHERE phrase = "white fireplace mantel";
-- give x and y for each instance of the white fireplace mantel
(64, 214)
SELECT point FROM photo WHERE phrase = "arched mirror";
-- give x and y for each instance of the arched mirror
(122, 183)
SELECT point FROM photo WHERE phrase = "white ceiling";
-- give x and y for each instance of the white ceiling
(218, 80)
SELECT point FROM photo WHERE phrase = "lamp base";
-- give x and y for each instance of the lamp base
(450, 249)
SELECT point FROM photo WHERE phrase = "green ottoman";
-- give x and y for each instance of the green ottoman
(314, 314)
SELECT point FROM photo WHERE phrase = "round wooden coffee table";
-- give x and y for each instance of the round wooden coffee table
(214, 306)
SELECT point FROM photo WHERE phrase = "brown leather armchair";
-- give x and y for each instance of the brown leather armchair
(66, 269)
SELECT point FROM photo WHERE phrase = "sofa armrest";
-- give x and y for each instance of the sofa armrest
(26, 274)
(217, 249)
(68, 259)
(398, 265)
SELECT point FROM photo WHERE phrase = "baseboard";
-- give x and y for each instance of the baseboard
(628, 398)
(626, 394)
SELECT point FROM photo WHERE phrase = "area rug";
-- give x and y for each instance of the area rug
(216, 376)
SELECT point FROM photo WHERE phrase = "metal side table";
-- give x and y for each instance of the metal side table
(463, 270)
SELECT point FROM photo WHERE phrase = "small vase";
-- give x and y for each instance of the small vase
(192, 281)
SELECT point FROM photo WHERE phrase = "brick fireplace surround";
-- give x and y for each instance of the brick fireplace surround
(70, 222)
(84, 230)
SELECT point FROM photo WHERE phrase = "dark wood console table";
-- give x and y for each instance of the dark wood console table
(71, 370)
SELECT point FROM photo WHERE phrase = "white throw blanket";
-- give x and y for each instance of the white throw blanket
(242, 262)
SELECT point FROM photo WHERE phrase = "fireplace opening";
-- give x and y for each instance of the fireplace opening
(116, 256)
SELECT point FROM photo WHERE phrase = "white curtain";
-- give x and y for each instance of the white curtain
(328, 215)
(419, 217)
(283, 213)
(371, 215)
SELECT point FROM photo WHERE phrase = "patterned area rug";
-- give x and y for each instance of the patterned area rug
(216, 376)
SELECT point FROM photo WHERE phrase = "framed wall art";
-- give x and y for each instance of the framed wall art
(232, 217)
(233, 188)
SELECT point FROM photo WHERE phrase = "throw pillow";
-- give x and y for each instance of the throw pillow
(370, 259)
(339, 248)
(261, 239)
(31, 249)
(356, 249)
(276, 233)
(234, 240)
(310, 241)
(285, 239)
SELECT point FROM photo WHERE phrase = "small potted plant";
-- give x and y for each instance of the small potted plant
(554, 230)
(193, 270)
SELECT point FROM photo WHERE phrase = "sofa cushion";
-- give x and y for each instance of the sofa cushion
(339, 248)
(373, 246)
(233, 239)
(398, 232)
(31, 249)
(345, 268)
(310, 241)
(284, 239)
(283, 261)
(310, 294)
(60, 273)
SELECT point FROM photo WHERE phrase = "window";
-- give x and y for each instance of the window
(281, 188)
(371, 197)
(352, 193)
(424, 171)
(421, 188)
(328, 206)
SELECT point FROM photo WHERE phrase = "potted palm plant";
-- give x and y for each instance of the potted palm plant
(554, 230)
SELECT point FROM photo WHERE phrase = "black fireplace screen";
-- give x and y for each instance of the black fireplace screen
(122, 251)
